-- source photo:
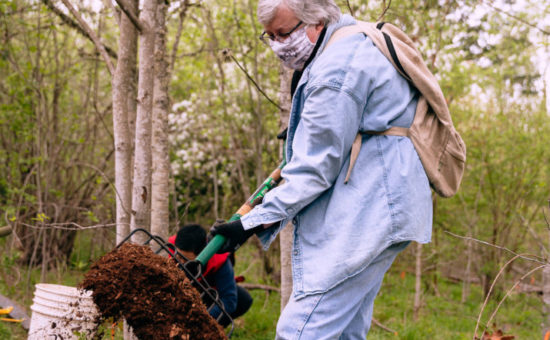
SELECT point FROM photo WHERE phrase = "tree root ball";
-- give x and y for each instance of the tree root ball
(151, 293)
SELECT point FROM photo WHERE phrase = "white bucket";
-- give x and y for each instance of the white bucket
(61, 312)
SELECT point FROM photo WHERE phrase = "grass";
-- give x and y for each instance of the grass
(445, 317)
(441, 317)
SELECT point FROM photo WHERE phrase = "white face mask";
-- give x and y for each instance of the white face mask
(295, 50)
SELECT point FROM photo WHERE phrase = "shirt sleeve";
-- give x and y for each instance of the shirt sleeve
(224, 281)
(322, 142)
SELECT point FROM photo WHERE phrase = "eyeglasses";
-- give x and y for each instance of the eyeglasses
(279, 37)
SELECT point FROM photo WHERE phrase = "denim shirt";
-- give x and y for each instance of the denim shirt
(340, 228)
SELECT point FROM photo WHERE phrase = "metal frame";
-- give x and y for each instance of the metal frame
(192, 269)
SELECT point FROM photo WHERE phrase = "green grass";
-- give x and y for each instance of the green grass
(445, 317)
(260, 321)
(441, 317)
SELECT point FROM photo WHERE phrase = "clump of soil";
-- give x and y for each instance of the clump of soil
(154, 296)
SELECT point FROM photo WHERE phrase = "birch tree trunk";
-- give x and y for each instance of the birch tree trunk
(123, 96)
(141, 192)
(287, 234)
(161, 102)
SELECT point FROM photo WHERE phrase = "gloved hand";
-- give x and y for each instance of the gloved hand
(233, 232)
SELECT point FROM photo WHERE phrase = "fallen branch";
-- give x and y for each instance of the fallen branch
(259, 286)
(377, 323)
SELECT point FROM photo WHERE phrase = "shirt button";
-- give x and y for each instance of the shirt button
(294, 221)
(250, 224)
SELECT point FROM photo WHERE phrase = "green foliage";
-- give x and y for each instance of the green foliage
(223, 126)
(54, 101)
(56, 148)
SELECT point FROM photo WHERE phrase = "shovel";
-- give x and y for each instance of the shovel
(217, 241)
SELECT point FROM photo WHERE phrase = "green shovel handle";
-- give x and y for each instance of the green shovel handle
(217, 241)
(214, 245)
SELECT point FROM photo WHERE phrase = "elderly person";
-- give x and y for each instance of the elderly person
(347, 234)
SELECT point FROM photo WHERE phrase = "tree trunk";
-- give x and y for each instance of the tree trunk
(287, 234)
(141, 192)
(161, 103)
(546, 298)
(123, 96)
(467, 271)
(418, 281)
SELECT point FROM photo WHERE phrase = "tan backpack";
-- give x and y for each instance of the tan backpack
(439, 146)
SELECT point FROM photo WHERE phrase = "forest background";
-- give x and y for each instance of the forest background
(226, 100)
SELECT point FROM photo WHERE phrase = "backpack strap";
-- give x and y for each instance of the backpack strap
(381, 39)
(356, 146)
(393, 131)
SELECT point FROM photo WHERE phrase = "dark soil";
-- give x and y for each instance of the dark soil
(151, 293)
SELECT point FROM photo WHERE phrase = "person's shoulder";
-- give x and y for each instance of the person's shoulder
(352, 63)
(332, 64)
(344, 66)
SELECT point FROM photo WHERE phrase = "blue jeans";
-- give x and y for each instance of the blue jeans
(343, 312)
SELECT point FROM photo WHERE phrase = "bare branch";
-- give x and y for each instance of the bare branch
(350, 9)
(546, 217)
(536, 238)
(106, 178)
(71, 23)
(491, 289)
(510, 290)
(227, 52)
(98, 44)
(384, 11)
(116, 13)
(533, 258)
(132, 16)
(182, 13)
(67, 226)
(517, 18)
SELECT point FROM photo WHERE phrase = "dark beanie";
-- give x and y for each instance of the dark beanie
(191, 237)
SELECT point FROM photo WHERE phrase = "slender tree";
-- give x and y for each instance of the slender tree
(141, 191)
(161, 103)
(124, 105)
(287, 234)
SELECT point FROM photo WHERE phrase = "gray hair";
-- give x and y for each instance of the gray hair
(311, 12)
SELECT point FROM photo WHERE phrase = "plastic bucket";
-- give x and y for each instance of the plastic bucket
(62, 312)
